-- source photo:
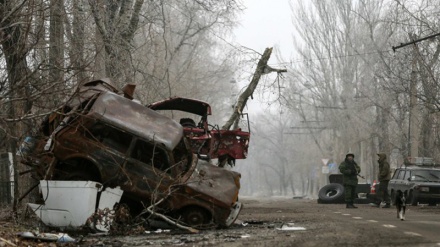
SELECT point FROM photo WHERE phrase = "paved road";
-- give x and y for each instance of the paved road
(420, 222)
(334, 225)
(262, 222)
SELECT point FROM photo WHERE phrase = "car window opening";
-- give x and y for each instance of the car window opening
(111, 137)
(151, 154)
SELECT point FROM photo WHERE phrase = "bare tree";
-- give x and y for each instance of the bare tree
(117, 23)
(14, 85)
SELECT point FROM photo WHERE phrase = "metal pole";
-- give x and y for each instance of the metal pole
(414, 41)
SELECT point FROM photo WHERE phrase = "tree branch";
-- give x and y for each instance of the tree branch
(262, 68)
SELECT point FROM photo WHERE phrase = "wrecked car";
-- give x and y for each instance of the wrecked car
(102, 135)
(206, 139)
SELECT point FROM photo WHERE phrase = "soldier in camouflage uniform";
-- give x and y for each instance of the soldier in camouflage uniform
(350, 170)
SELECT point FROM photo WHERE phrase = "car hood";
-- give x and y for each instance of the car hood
(217, 184)
(129, 115)
(426, 183)
(183, 104)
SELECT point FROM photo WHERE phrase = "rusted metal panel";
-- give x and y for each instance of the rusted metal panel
(144, 122)
(183, 104)
(233, 143)
(226, 144)
(221, 185)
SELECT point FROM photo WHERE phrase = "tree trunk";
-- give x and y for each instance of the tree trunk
(261, 69)
(78, 37)
(14, 49)
(56, 42)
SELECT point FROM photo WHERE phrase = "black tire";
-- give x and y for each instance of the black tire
(362, 201)
(196, 216)
(363, 188)
(332, 193)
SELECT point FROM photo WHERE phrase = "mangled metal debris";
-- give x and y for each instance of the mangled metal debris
(99, 135)
(206, 139)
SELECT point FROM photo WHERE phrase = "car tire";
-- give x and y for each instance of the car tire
(363, 188)
(331, 193)
(362, 201)
(196, 216)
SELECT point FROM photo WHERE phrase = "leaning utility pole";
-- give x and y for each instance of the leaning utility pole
(262, 68)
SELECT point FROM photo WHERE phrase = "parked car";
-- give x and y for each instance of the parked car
(205, 139)
(102, 136)
(421, 181)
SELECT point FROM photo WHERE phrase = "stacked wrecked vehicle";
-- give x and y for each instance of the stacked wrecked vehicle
(206, 139)
(100, 135)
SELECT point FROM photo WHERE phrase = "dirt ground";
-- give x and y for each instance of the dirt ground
(262, 222)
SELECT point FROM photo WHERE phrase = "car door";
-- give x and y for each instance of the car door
(406, 183)
(396, 182)
(148, 169)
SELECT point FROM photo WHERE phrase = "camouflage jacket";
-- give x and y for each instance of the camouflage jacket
(349, 170)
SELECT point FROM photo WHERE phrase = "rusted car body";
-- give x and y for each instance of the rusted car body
(102, 136)
(207, 139)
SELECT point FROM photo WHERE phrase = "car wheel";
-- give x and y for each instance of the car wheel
(195, 216)
(413, 200)
(362, 200)
(331, 193)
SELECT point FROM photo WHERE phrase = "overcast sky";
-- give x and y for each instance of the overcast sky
(266, 23)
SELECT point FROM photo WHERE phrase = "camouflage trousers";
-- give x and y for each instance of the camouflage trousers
(350, 193)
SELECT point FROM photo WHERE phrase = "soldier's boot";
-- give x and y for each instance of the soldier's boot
(350, 205)
(353, 205)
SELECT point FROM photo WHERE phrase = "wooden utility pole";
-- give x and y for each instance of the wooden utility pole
(262, 68)
(413, 144)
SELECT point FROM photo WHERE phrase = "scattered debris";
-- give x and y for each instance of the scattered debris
(7, 242)
(290, 227)
(48, 237)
